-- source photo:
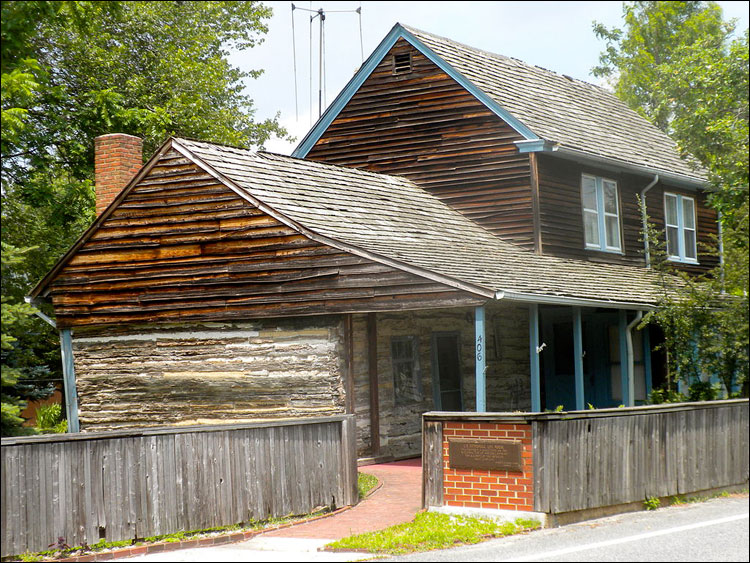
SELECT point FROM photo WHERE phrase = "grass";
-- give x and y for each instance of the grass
(365, 484)
(432, 530)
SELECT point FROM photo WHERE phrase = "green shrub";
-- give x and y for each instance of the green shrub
(49, 419)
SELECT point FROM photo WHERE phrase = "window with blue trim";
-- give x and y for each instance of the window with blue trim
(601, 214)
(679, 218)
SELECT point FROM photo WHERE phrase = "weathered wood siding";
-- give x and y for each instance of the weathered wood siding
(182, 247)
(133, 376)
(508, 381)
(424, 126)
(561, 213)
(126, 485)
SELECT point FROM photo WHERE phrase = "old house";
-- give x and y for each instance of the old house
(459, 231)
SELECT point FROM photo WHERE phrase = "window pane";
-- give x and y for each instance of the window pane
(690, 244)
(688, 213)
(671, 209)
(589, 193)
(613, 232)
(610, 197)
(591, 226)
(672, 245)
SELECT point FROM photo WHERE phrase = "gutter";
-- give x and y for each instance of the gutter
(31, 301)
(644, 219)
(569, 301)
(604, 161)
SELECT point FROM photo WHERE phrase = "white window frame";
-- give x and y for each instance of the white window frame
(601, 215)
(681, 255)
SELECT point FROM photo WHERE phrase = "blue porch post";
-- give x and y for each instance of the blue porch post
(625, 376)
(69, 380)
(536, 392)
(578, 356)
(480, 363)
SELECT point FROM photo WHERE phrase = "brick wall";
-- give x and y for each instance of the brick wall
(500, 490)
(117, 158)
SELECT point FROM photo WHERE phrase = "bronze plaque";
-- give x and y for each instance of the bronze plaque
(498, 455)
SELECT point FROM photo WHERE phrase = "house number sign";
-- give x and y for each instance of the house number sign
(498, 455)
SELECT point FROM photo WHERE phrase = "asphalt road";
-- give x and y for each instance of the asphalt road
(715, 530)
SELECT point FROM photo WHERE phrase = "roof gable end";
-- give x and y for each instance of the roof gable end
(400, 32)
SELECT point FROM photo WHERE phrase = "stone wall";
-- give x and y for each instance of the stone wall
(209, 373)
(508, 380)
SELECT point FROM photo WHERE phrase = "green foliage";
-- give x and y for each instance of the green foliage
(667, 395)
(651, 503)
(365, 484)
(73, 70)
(432, 530)
(679, 65)
(49, 419)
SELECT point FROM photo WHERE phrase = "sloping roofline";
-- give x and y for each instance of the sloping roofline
(400, 32)
(531, 141)
(174, 143)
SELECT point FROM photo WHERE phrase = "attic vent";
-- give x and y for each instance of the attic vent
(402, 63)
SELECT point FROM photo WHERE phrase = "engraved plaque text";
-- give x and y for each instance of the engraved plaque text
(498, 455)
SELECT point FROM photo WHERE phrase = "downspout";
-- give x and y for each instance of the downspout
(644, 219)
(631, 360)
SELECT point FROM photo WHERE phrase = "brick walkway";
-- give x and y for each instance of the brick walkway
(398, 500)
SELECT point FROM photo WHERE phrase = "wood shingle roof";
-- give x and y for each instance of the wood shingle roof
(391, 219)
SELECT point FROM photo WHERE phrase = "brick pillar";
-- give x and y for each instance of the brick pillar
(117, 158)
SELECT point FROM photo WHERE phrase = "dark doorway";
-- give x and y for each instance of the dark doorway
(446, 372)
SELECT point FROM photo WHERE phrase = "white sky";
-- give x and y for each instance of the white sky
(554, 35)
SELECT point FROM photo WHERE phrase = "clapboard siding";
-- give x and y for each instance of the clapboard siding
(561, 220)
(426, 127)
(181, 246)
(126, 485)
(208, 373)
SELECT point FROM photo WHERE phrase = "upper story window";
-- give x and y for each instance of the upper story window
(601, 213)
(679, 218)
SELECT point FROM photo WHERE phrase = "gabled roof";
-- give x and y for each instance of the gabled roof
(552, 112)
(393, 221)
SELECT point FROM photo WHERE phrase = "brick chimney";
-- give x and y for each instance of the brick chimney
(117, 158)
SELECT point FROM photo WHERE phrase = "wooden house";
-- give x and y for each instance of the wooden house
(434, 249)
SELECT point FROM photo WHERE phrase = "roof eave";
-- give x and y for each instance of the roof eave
(577, 155)
(571, 301)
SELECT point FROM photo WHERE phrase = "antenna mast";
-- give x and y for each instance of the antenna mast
(320, 13)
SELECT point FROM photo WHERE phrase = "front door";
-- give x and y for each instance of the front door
(446, 373)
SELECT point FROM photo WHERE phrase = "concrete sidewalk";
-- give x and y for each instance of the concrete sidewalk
(397, 500)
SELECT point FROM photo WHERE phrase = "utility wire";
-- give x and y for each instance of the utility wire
(294, 58)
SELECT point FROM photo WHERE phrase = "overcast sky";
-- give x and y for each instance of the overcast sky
(554, 35)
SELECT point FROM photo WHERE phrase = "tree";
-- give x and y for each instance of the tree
(679, 65)
(74, 70)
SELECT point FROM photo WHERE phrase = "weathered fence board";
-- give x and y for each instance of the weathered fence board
(123, 485)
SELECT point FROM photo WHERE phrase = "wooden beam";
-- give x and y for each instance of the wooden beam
(372, 366)
(480, 360)
(536, 220)
(536, 392)
(349, 368)
(578, 357)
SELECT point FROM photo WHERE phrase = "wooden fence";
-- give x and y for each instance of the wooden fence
(598, 458)
(133, 484)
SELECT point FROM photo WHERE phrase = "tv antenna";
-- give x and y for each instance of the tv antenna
(320, 14)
